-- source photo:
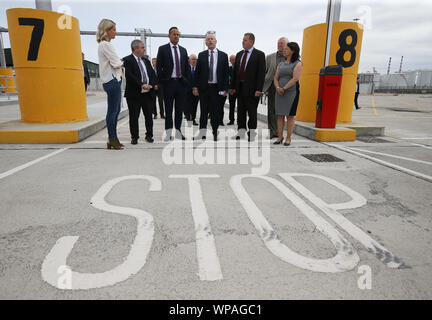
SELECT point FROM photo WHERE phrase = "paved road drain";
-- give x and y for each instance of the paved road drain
(323, 157)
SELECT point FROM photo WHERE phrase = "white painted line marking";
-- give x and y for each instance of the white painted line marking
(385, 163)
(330, 210)
(419, 138)
(421, 145)
(391, 156)
(208, 260)
(346, 257)
(136, 259)
(28, 164)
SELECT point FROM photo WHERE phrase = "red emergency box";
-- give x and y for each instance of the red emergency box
(328, 97)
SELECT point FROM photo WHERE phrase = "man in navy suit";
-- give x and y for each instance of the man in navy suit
(211, 84)
(174, 73)
(248, 83)
(139, 92)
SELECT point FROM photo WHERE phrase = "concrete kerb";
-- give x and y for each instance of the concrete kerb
(341, 133)
(13, 132)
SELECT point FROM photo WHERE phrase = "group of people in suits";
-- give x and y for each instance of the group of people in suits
(182, 81)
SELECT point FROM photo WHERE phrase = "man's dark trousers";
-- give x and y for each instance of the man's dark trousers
(232, 103)
(174, 89)
(144, 102)
(247, 105)
(210, 103)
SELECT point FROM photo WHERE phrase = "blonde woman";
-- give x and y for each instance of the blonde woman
(111, 72)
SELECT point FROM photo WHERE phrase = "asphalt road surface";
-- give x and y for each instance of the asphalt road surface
(309, 221)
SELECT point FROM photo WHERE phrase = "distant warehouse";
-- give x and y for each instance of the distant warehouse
(417, 81)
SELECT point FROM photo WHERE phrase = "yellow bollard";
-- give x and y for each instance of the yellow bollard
(7, 80)
(345, 49)
(48, 66)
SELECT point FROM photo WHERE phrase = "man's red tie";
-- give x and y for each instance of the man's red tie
(243, 65)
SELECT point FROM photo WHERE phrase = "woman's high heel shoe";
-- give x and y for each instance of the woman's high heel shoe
(278, 141)
(117, 140)
(113, 144)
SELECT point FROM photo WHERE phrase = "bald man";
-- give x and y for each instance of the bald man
(192, 100)
(232, 94)
(272, 61)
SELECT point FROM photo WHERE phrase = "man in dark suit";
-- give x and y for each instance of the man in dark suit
(192, 100)
(139, 92)
(211, 84)
(357, 92)
(232, 94)
(174, 73)
(159, 93)
(248, 82)
(86, 73)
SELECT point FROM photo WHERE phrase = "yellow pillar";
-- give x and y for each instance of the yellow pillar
(345, 49)
(6, 77)
(48, 66)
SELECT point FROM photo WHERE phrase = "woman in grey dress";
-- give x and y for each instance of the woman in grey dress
(287, 94)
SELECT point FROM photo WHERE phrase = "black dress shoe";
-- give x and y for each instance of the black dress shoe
(222, 124)
(195, 123)
(286, 144)
(182, 137)
(149, 139)
(237, 137)
(134, 141)
(215, 138)
(162, 117)
(230, 123)
(155, 117)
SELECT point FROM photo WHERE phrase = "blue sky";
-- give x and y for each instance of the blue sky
(393, 28)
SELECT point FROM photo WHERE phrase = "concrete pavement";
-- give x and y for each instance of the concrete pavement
(306, 230)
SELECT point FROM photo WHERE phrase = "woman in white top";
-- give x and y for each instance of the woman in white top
(110, 71)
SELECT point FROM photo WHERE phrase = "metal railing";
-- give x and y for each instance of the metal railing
(4, 85)
(407, 89)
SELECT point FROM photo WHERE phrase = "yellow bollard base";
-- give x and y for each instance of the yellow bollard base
(38, 136)
(308, 130)
(334, 135)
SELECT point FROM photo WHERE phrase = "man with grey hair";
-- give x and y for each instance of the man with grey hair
(272, 61)
(139, 92)
(211, 85)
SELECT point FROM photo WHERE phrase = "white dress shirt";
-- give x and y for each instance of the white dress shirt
(140, 61)
(215, 61)
(110, 65)
(174, 75)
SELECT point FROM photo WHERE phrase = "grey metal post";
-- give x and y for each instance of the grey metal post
(43, 4)
(2, 55)
(333, 15)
